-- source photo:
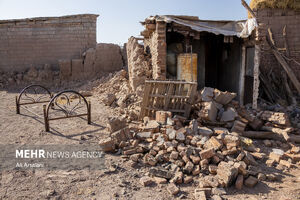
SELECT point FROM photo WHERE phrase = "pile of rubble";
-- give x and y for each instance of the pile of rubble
(209, 149)
(115, 92)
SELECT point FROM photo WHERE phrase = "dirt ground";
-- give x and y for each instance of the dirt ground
(118, 181)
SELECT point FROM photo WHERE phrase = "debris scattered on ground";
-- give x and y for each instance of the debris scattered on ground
(210, 148)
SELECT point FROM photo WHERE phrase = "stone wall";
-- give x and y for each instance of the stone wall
(276, 19)
(40, 41)
(158, 50)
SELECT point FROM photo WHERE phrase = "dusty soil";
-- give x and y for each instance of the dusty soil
(118, 180)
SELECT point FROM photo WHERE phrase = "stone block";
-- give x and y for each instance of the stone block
(107, 145)
(208, 153)
(226, 173)
(173, 189)
(146, 181)
(160, 172)
(251, 181)
(229, 115)
(208, 112)
(207, 94)
(115, 124)
(205, 131)
(223, 97)
(239, 182)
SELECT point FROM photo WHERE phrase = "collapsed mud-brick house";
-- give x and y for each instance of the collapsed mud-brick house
(217, 54)
(281, 20)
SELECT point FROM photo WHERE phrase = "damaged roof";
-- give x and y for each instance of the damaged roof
(242, 28)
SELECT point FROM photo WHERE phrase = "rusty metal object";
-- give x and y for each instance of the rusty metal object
(66, 104)
(32, 94)
(187, 67)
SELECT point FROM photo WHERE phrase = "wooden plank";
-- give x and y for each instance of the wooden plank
(173, 82)
(145, 99)
(168, 97)
(284, 64)
(171, 110)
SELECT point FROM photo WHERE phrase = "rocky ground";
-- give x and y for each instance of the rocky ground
(126, 177)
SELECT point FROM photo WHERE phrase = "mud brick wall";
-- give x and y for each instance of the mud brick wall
(276, 19)
(39, 41)
(139, 65)
(158, 49)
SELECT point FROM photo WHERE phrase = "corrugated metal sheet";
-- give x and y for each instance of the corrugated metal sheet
(187, 67)
(242, 29)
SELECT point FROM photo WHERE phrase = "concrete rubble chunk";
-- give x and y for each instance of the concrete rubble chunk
(149, 159)
(241, 168)
(173, 189)
(226, 173)
(239, 182)
(107, 145)
(276, 117)
(115, 124)
(207, 94)
(223, 97)
(209, 181)
(178, 178)
(249, 159)
(212, 169)
(174, 155)
(285, 163)
(161, 116)
(187, 179)
(144, 135)
(219, 130)
(238, 126)
(146, 181)
(160, 172)
(171, 133)
(152, 126)
(229, 115)
(205, 131)
(218, 191)
(208, 153)
(213, 142)
(199, 194)
(160, 180)
(180, 135)
(135, 157)
(234, 141)
(208, 112)
(274, 156)
(251, 181)
(188, 168)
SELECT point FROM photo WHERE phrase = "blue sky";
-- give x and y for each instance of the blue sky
(119, 19)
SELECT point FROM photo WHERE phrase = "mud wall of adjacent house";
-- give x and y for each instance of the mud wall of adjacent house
(277, 19)
(139, 63)
(40, 41)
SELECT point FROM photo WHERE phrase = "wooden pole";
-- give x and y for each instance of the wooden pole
(244, 3)
(46, 119)
(17, 106)
(283, 63)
